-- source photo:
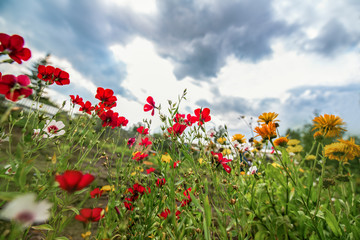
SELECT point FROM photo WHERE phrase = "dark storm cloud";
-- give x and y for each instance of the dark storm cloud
(199, 38)
(333, 38)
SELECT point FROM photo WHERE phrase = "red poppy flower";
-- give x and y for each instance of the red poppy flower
(90, 215)
(186, 201)
(138, 156)
(165, 213)
(46, 73)
(76, 100)
(150, 105)
(61, 77)
(145, 142)
(106, 96)
(73, 180)
(150, 170)
(13, 46)
(202, 115)
(86, 107)
(142, 130)
(14, 87)
(223, 161)
(96, 193)
(109, 118)
(176, 164)
(177, 129)
(129, 206)
(122, 121)
(160, 182)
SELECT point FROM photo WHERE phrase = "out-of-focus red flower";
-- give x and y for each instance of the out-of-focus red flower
(106, 96)
(131, 142)
(61, 77)
(145, 142)
(76, 100)
(160, 182)
(142, 130)
(177, 214)
(86, 107)
(129, 206)
(138, 156)
(202, 115)
(186, 201)
(150, 170)
(176, 164)
(109, 118)
(165, 213)
(73, 180)
(14, 87)
(14, 47)
(96, 193)
(150, 105)
(46, 73)
(122, 121)
(223, 161)
(177, 129)
(90, 215)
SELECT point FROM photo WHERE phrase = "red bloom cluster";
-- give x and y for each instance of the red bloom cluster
(166, 213)
(73, 180)
(107, 98)
(86, 107)
(90, 215)
(76, 100)
(187, 200)
(202, 115)
(150, 105)
(223, 161)
(160, 182)
(150, 170)
(14, 87)
(135, 191)
(50, 74)
(112, 119)
(145, 142)
(96, 193)
(138, 156)
(142, 130)
(14, 47)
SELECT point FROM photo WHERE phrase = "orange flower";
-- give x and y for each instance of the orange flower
(282, 141)
(266, 131)
(268, 117)
(329, 125)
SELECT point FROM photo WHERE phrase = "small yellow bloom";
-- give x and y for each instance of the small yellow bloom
(140, 169)
(107, 208)
(293, 142)
(239, 137)
(201, 160)
(221, 140)
(301, 170)
(242, 173)
(166, 158)
(295, 149)
(108, 188)
(310, 157)
(133, 174)
(86, 235)
(226, 151)
(268, 117)
(276, 165)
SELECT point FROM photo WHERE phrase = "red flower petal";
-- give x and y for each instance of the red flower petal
(85, 181)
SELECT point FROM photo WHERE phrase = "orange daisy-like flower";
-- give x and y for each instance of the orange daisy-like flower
(268, 117)
(282, 141)
(329, 125)
(266, 131)
(351, 146)
(239, 137)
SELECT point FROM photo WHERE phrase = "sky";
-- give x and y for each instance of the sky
(236, 57)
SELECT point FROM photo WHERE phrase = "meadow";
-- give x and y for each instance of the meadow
(81, 175)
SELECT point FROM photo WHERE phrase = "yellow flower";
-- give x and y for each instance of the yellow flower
(86, 235)
(140, 169)
(329, 125)
(201, 160)
(301, 170)
(266, 131)
(282, 141)
(242, 173)
(344, 150)
(318, 135)
(108, 188)
(310, 157)
(276, 165)
(221, 140)
(166, 158)
(293, 142)
(226, 151)
(239, 137)
(352, 146)
(295, 149)
(268, 117)
(133, 174)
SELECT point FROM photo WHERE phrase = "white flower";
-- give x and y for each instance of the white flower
(252, 170)
(52, 129)
(26, 211)
(36, 132)
(9, 169)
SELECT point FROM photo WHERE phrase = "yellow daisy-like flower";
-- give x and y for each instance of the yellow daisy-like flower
(295, 149)
(226, 151)
(140, 169)
(221, 140)
(310, 157)
(352, 146)
(108, 188)
(86, 235)
(318, 135)
(282, 141)
(239, 137)
(329, 125)
(344, 150)
(268, 117)
(293, 142)
(201, 160)
(266, 131)
(166, 158)
(276, 165)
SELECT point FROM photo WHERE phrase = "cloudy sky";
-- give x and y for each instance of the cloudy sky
(237, 57)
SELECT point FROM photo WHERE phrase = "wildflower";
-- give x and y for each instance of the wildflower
(223, 161)
(160, 182)
(150, 170)
(310, 157)
(15, 87)
(239, 138)
(73, 180)
(268, 117)
(61, 77)
(201, 160)
(131, 142)
(202, 115)
(293, 142)
(145, 142)
(276, 165)
(96, 193)
(221, 140)
(211, 133)
(186, 201)
(90, 215)
(109, 118)
(351, 146)
(122, 121)
(295, 149)
(282, 141)
(266, 131)
(76, 100)
(142, 130)
(86, 235)
(129, 206)
(329, 125)
(252, 170)
(165, 213)
(138, 156)
(318, 136)
(86, 107)
(107, 188)
(26, 211)
(13, 46)
(53, 129)
(342, 151)
(9, 170)
(177, 129)
(46, 73)
(176, 164)
(166, 158)
(106, 96)
(226, 151)
(150, 105)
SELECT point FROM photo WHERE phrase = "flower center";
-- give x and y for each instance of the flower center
(53, 129)
(25, 217)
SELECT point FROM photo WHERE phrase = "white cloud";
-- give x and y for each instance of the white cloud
(141, 6)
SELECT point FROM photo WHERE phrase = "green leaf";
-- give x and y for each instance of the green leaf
(7, 196)
(61, 238)
(43, 227)
(332, 223)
